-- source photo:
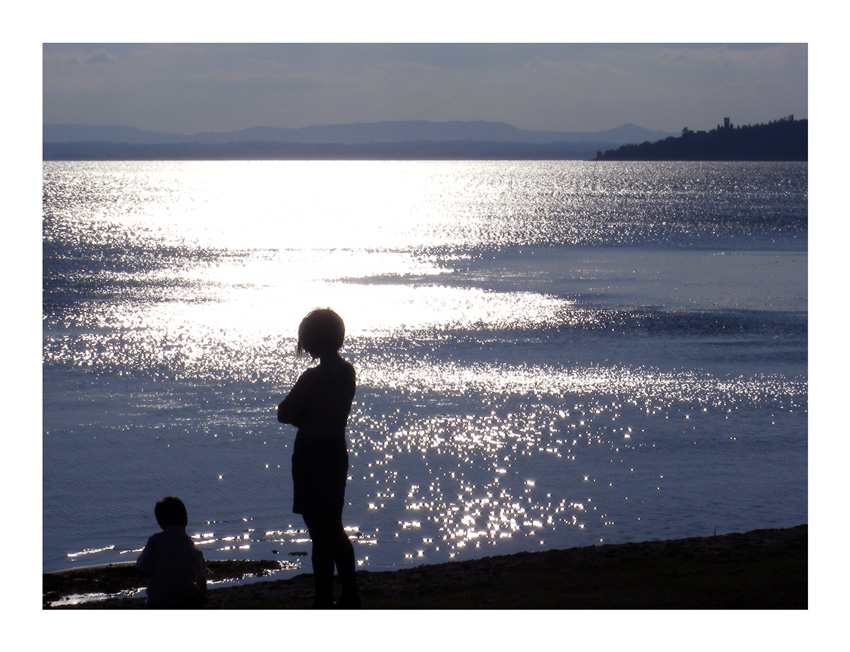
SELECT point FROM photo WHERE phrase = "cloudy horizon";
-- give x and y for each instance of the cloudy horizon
(192, 87)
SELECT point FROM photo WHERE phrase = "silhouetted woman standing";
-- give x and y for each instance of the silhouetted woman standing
(318, 406)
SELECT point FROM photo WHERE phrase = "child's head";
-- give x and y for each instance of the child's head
(171, 511)
(321, 333)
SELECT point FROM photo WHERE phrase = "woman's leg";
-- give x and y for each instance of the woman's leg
(322, 536)
(343, 553)
(332, 547)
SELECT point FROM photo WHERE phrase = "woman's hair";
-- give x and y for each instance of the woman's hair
(171, 511)
(321, 331)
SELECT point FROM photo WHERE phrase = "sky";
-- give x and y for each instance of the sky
(187, 87)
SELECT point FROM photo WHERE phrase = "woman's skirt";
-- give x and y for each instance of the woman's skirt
(319, 472)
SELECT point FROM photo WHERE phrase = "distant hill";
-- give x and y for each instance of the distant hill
(402, 139)
(785, 139)
(352, 134)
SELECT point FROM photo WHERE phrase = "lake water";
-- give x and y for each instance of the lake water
(549, 354)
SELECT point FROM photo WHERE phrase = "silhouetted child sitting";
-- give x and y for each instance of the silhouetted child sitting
(176, 570)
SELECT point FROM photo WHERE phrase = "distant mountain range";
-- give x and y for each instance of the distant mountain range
(417, 140)
(365, 133)
(783, 139)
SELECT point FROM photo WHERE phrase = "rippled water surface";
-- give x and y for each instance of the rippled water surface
(549, 354)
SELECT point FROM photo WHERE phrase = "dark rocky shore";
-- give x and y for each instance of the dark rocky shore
(761, 569)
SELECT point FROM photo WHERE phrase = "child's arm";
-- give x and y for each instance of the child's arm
(201, 579)
(145, 562)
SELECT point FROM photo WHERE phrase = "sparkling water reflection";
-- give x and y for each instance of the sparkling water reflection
(548, 354)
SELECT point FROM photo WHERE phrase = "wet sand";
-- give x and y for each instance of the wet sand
(761, 569)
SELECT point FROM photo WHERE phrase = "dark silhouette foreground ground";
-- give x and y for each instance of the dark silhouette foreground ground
(762, 569)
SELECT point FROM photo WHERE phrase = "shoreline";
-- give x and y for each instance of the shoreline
(759, 569)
